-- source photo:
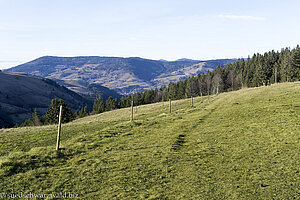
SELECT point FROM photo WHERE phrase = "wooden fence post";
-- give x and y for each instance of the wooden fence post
(131, 117)
(59, 128)
(170, 109)
(192, 102)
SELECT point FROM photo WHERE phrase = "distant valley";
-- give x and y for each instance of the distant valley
(21, 94)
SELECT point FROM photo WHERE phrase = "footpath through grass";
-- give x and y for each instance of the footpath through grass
(238, 145)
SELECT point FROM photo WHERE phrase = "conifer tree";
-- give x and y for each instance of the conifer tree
(53, 112)
(172, 91)
(99, 105)
(86, 111)
(109, 104)
(295, 72)
(36, 118)
(285, 66)
(208, 82)
(181, 90)
(122, 102)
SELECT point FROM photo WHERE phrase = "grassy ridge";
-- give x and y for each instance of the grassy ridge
(237, 145)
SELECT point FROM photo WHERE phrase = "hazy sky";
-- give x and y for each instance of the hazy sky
(156, 29)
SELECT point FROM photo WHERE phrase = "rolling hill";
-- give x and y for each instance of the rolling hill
(121, 74)
(236, 145)
(21, 94)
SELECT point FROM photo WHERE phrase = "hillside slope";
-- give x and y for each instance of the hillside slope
(121, 74)
(237, 145)
(21, 94)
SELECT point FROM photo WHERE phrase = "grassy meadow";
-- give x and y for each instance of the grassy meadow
(237, 145)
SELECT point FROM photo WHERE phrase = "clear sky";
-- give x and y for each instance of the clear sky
(155, 29)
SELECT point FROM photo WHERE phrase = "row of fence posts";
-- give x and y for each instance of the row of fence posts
(131, 118)
(170, 106)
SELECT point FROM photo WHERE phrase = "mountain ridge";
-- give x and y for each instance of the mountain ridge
(122, 74)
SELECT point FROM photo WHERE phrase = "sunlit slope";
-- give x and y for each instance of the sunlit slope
(238, 145)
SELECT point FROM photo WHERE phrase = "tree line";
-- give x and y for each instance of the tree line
(260, 69)
(51, 116)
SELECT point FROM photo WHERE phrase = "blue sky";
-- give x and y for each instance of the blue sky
(155, 29)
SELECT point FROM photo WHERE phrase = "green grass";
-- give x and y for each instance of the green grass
(237, 145)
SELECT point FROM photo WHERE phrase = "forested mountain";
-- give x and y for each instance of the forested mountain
(124, 75)
(21, 94)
